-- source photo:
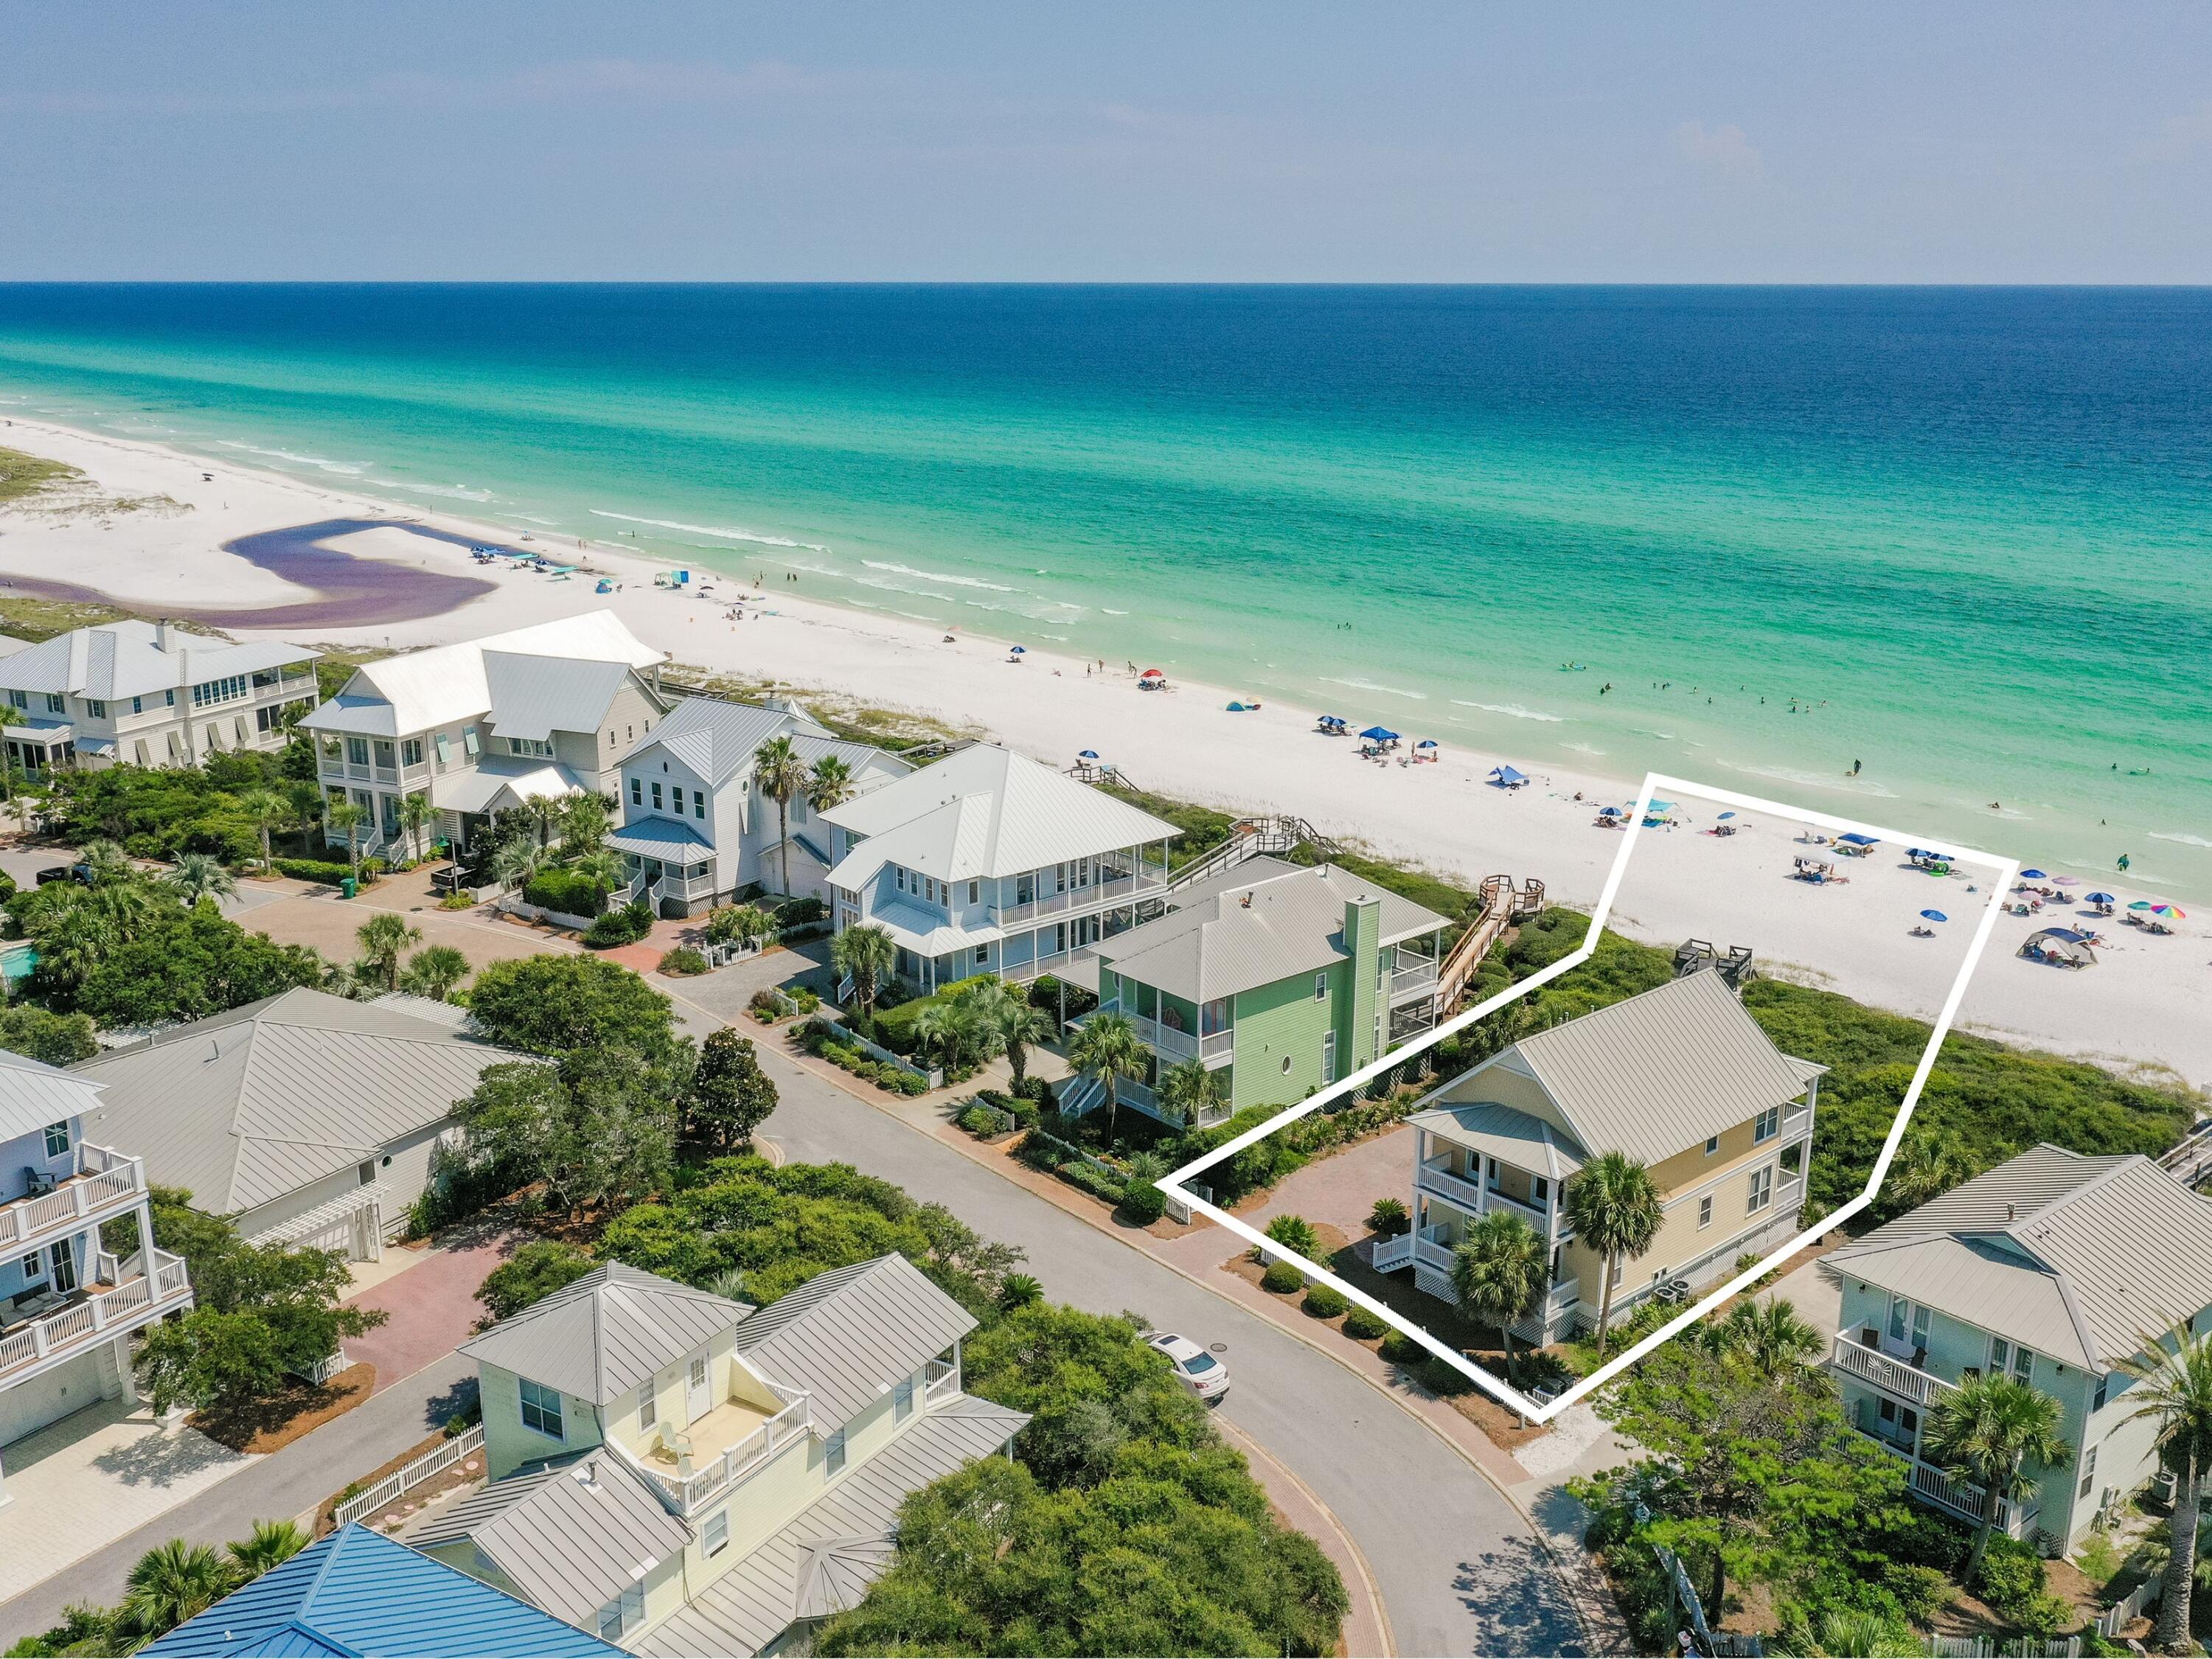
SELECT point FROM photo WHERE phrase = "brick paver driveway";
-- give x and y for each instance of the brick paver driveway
(432, 1305)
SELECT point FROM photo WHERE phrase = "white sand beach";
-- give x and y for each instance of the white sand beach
(2148, 1002)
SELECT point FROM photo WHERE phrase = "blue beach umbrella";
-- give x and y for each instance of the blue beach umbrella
(2100, 898)
(1934, 915)
(1087, 754)
(1724, 817)
(1379, 734)
(1019, 651)
(2033, 875)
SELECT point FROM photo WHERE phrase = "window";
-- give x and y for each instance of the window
(32, 1270)
(898, 877)
(1328, 1056)
(357, 751)
(411, 753)
(716, 1538)
(636, 792)
(656, 797)
(982, 955)
(698, 802)
(2104, 1386)
(56, 704)
(95, 707)
(1286, 1065)
(648, 1410)
(1320, 985)
(214, 691)
(929, 884)
(541, 1409)
(1705, 1211)
(386, 753)
(2088, 1472)
(137, 705)
(57, 1139)
(1712, 1144)
(903, 1400)
(537, 748)
(676, 797)
(1760, 1193)
(975, 892)
(20, 699)
(833, 1452)
(365, 1174)
(624, 1613)
(1768, 1124)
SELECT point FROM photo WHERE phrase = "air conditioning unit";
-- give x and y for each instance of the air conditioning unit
(2163, 1485)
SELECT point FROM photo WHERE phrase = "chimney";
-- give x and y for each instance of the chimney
(2011, 1212)
(162, 634)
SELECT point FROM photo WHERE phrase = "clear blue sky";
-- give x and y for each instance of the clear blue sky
(845, 139)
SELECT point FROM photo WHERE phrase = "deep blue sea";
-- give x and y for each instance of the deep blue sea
(1962, 537)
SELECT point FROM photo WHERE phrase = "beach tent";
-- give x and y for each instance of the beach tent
(1507, 777)
(1379, 734)
(1237, 706)
(2060, 945)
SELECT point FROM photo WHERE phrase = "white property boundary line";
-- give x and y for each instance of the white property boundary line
(1492, 1384)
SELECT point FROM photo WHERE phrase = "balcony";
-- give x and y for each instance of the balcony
(1168, 1043)
(1895, 1378)
(1113, 890)
(101, 1184)
(108, 1306)
(1425, 1248)
(1934, 1488)
(942, 1378)
(1412, 977)
(1434, 1176)
(698, 1463)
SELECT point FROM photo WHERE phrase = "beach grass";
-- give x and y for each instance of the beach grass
(23, 476)
(850, 718)
(26, 619)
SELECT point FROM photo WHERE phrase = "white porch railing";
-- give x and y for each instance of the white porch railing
(1893, 1377)
(94, 1318)
(1433, 1177)
(1113, 889)
(1964, 1501)
(685, 1492)
(100, 1178)
(409, 1476)
(1166, 1040)
(940, 1378)
(1425, 1249)
(1419, 975)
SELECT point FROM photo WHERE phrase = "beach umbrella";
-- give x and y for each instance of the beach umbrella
(2142, 904)
(1019, 651)
(1379, 734)
(1610, 813)
(2033, 875)
(2173, 910)
(1724, 817)
(2065, 881)
(1427, 743)
(1934, 915)
(1332, 720)
(2099, 898)
(1087, 754)
(1151, 674)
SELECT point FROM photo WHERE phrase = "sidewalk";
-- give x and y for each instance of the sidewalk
(1366, 1625)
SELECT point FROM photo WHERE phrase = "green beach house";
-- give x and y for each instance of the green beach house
(1284, 977)
(2052, 1269)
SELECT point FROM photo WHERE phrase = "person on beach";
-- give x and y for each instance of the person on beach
(2124, 864)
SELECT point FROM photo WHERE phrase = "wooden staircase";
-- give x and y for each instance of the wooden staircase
(1500, 903)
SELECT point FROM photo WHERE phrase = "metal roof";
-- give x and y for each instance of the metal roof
(570, 1535)
(511, 779)
(660, 838)
(922, 932)
(248, 1106)
(1511, 1136)
(129, 660)
(825, 1560)
(984, 811)
(718, 739)
(1276, 921)
(1656, 1073)
(603, 1335)
(2076, 1257)
(34, 1095)
(535, 697)
(846, 1335)
(358, 1593)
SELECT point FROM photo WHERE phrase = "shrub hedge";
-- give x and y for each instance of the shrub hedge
(1282, 1278)
(1325, 1302)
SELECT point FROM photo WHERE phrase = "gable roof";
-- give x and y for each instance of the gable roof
(34, 1095)
(571, 1534)
(1658, 1073)
(449, 683)
(984, 811)
(534, 697)
(601, 1336)
(1215, 943)
(1513, 1136)
(135, 658)
(245, 1107)
(358, 1593)
(2076, 1257)
(823, 1561)
(846, 1335)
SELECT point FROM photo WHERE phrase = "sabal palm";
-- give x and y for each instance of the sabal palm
(106, 861)
(75, 940)
(601, 867)
(584, 821)
(2173, 1394)
(416, 813)
(779, 774)
(1615, 1206)
(269, 812)
(939, 1027)
(1109, 1048)
(865, 955)
(544, 812)
(346, 817)
(1500, 1273)
(272, 1543)
(1985, 1433)
(1769, 1337)
(433, 971)
(515, 861)
(174, 1582)
(1018, 1025)
(1192, 1088)
(201, 876)
(829, 784)
(384, 938)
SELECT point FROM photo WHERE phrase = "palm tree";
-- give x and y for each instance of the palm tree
(174, 1582)
(273, 1543)
(1017, 1024)
(385, 937)
(601, 867)
(2174, 1393)
(1500, 1275)
(107, 862)
(1192, 1088)
(515, 861)
(1109, 1048)
(1769, 1337)
(1018, 1290)
(829, 784)
(584, 821)
(865, 955)
(269, 812)
(347, 818)
(1615, 1206)
(779, 774)
(433, 971)
(201, 876)
(1985, 1431)
(543, 812)
(416, 813)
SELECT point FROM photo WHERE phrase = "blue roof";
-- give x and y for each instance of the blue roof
(357, 1594)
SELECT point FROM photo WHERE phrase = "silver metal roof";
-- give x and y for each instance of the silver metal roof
(34, 1095)
(248, 1106)
(1512, 1137)
(571, 1534)
(501, 781)
(846, 1335)
(981, 812)
(1216, 942)
(660, 838)
(718, 739)
(129, 660)
(534, 697)
(601, 1336)
(825, 1560)
(1656, 1073)
(2076, 1257)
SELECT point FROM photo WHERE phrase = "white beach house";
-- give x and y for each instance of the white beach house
(146, 694)
(988, 863)
(67, 1308)
(696, 829)
(486, 724)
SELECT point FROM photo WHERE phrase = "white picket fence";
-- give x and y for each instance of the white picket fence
(1983, 1647)
(409, 1476)
(2129, 1608)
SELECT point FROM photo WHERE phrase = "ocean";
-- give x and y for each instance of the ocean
(1959, 539)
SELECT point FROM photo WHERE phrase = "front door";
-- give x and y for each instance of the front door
(699, 1402)
(64, 1259)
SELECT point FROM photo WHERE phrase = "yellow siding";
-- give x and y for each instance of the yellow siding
(508, 1443)
(1497, 1085)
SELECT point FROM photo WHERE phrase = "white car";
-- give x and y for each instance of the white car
(1201, 1373)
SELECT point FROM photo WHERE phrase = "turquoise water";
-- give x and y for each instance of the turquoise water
(1965, 529)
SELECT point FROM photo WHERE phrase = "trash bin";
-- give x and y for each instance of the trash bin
(348, 887)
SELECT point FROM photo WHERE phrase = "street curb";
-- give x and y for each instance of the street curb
(1254, 1450)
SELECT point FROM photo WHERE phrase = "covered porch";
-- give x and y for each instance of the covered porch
(42, 746)
(667, 865)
